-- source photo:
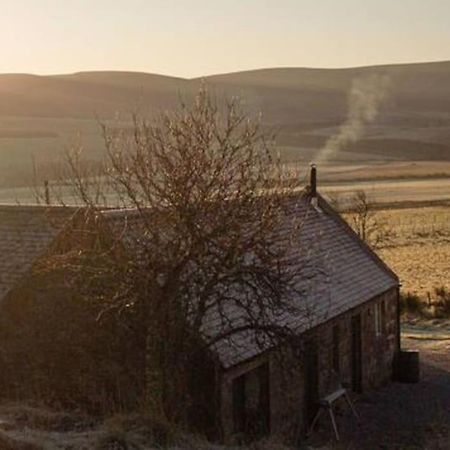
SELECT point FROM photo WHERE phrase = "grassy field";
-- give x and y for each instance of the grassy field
(419, 247)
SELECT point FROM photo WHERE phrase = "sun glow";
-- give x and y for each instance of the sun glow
(201, 37)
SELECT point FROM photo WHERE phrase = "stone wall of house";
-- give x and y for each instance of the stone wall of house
(287, 373)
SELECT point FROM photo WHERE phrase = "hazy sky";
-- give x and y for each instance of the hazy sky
(197, 37)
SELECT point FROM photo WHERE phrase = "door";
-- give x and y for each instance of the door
(264, 400)
(239, 418)
(311, 380)
(251, 402)
(356, 354)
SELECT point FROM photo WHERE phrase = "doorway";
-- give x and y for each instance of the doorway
(356, 354)
(311, 380)
(251, 402)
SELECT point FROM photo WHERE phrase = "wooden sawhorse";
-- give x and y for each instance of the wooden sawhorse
(327, 404)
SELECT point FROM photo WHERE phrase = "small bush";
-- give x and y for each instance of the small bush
(442, 303)
(439, 308)
(411, 303)
(130, 432)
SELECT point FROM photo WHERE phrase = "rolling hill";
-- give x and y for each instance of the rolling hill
(286, 95)
(39, 115)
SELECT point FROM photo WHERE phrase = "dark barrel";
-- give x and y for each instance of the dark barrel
(408, 366)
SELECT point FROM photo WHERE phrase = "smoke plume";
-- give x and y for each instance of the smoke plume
(365, 98)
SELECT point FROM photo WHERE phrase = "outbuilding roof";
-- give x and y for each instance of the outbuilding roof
(26, 232)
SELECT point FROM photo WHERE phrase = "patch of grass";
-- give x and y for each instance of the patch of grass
(40, 418)
(133, 431)
(6, 443)
(419, 251)
(116, 441)
(426, 337)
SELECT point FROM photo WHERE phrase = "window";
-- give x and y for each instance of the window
(379, 317)
(336, 350)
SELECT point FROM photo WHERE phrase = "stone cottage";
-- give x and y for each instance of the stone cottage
(349, 328)
(350, 333)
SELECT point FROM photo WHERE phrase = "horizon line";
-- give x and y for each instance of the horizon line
(231, 72)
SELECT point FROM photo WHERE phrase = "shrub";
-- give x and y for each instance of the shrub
(137, 431)
(7, 443)
(114, 442)
(443, 302)
(55, 352)
(411, 303)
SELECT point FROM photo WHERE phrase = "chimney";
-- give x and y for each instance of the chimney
(313, 181)
(313, 187)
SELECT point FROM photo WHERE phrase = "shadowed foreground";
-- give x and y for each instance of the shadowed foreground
(399, 416)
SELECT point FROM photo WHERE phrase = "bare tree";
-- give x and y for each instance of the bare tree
(365, 220)
(201, 202)
(362, 215)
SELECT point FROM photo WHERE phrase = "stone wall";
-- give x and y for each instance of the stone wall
(287, 372)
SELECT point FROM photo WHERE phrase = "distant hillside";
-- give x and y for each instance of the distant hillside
(84, 95)
(285, 96)
(304, 106)
(419, 94)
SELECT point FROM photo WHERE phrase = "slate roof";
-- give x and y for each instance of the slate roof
(25, 234)
(336, 272)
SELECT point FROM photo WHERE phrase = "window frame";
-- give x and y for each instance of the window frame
(378, 319)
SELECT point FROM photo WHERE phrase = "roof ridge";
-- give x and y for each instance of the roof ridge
(35, 207)
(119, 212)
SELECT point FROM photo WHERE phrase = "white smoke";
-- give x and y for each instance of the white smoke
(364, 100)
